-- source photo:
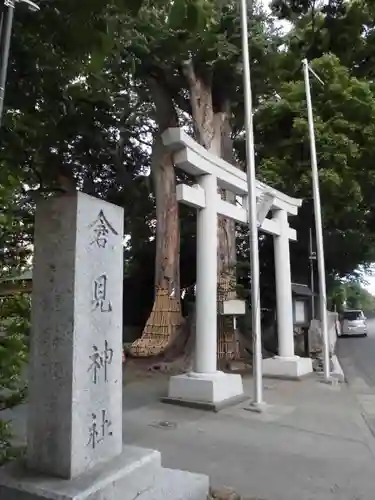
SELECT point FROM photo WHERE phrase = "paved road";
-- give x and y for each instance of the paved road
(357, 355)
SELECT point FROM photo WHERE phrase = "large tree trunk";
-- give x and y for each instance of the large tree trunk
(228, 344)
(213, 131)
(165, 319)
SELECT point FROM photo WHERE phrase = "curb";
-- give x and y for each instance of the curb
(337, 371)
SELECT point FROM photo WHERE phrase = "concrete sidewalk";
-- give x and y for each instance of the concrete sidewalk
(311, 443)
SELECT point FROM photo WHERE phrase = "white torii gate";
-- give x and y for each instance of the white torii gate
(207, 385)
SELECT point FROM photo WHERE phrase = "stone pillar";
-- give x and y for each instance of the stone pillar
(74, 429)
(284, 304)
(286, 364)
(206, 387)
(206, 295)
(75, 386)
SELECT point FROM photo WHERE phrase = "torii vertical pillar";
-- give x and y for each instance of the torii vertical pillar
(206, 294)
(286, 364)
(206, 387)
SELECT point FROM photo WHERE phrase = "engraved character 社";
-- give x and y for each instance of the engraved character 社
(101, 228)
(99, 299)
(99, 431)
(100, 361)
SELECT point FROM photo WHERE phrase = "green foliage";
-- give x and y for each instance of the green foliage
(351, 294)
(195, 15)
(16, 222)
(358, 298)
(344, 117)
(14, 330)
(79, 105)
(12, 359)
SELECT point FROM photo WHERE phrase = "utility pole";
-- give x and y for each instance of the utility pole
(6, 25)
(312, 258)
(6, 34)
(252, 215)
(318, 222)
(2, 9)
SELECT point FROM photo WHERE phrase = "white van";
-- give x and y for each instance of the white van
(353, 322)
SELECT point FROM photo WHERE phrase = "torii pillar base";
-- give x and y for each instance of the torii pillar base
(289, 368)
(205, 391)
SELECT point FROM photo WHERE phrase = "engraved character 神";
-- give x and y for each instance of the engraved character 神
(102, 228)
(100, 360)
(100, 294)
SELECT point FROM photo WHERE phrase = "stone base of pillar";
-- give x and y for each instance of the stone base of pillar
(136, 472)
(207, 391)
(289, 368)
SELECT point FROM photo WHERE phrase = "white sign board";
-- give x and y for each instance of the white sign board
(299, 311)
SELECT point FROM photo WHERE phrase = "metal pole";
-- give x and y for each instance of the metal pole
(318, 225)
(2, 10)
(312, 257)
(6, 33)
(252, 211)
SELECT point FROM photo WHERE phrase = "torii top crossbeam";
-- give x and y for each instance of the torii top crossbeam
(196, 160)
